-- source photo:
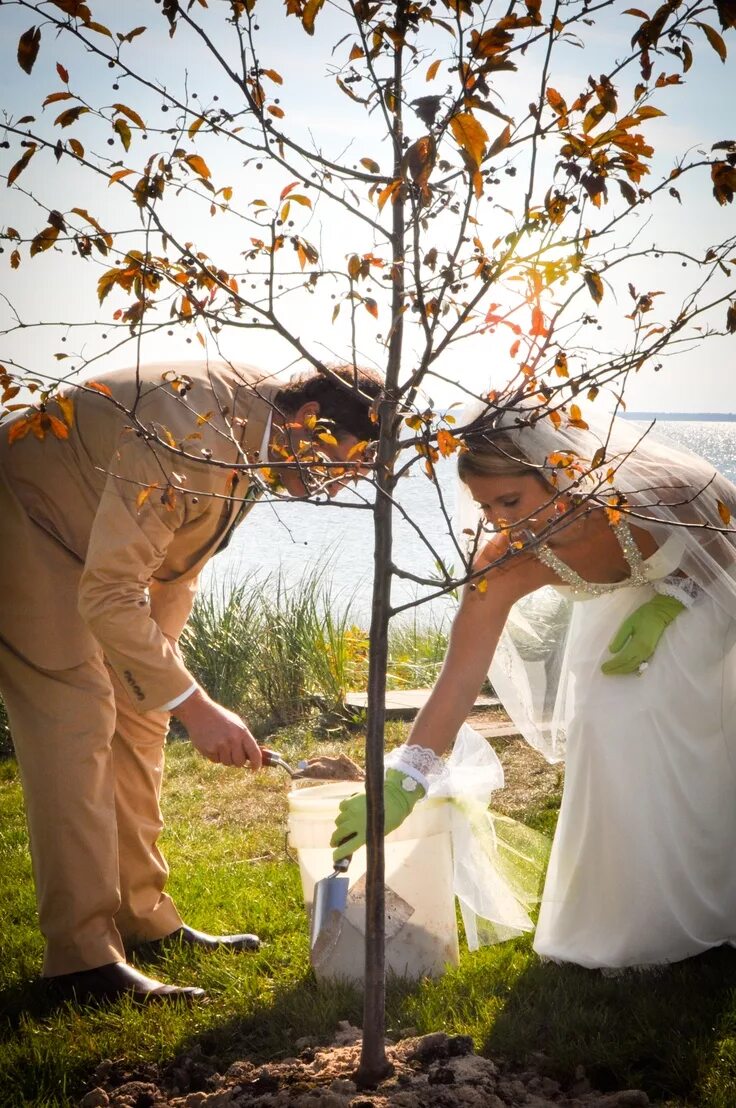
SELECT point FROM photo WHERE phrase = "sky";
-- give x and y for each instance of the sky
(59, 290)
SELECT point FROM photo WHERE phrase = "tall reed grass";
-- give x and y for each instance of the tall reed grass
(273, 651)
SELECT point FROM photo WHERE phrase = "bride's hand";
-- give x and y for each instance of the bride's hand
(636, 639)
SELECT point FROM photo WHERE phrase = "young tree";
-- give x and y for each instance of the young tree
(490, 192)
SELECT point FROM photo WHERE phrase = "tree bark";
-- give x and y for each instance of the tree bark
(373, 1062)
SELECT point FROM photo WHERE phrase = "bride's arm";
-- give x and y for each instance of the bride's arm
(475, 633)
(473, 639)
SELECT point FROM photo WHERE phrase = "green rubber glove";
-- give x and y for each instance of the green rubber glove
(637, 637)
(400, 794)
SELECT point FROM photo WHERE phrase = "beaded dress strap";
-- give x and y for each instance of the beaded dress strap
(579, 585)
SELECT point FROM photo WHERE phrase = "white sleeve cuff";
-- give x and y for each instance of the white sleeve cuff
(171, 704)
(683, 589)
(418, 762)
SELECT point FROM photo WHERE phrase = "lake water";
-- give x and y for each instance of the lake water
(297, 537)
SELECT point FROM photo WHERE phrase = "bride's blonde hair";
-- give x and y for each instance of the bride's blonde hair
(496, 456)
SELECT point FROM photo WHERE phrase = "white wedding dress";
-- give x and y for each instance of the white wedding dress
(642, 870)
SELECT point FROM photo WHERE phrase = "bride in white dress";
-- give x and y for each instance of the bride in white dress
(644, 712)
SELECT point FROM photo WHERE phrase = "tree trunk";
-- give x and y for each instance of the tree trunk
(373, 1062)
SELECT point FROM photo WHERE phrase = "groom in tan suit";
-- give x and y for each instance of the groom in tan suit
(103, 532)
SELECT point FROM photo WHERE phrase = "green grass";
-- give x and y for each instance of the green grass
(673, 1033)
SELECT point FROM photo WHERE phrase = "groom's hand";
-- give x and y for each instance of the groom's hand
(217, 733)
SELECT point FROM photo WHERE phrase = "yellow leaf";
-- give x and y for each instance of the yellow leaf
(724, 512)
(356, 53)
(143, 496)
(121, 128)
(370, 165)
(194, 127)
(107, 281)
(575, 412)
(500, 143)
(21, 164)
(357, 449)
(594, 285)
(432, 71)
(561, 364)
(311, 10)
(326, 437)
(132, 116)
(44, 240)
(389, 191)
(118, 176)
(199, 165)
(67, 408)
(714, 39)
(482, 586)
(470, 135)
(371, 306)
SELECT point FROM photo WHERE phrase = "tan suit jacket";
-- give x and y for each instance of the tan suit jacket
(84, 564)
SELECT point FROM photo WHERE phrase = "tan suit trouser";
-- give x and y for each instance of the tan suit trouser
(91, 771)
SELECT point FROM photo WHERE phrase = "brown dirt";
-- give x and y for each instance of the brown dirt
(431, 1071)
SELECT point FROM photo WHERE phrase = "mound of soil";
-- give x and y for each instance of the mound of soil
(429, 1071)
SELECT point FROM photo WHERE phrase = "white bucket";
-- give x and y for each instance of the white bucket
(421, 925)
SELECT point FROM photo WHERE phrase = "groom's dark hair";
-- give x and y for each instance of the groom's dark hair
(348, 403)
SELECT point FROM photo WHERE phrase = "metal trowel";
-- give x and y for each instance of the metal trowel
(328, 911)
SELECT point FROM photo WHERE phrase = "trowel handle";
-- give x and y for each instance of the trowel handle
(273, 758)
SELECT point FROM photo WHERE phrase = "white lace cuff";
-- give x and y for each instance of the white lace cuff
(418, 762)
(683, 589)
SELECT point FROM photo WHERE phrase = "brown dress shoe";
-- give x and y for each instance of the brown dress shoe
(115, 980)
(189, 937)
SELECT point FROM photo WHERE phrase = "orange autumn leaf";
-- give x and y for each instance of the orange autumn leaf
(19, 430)
(447, 444)
(470, 136)
(58, 428)
(98, 387)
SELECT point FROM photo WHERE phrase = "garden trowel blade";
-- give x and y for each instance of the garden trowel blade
(328, 911)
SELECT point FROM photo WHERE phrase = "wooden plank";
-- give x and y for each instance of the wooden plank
(501, 730)
(405, 703)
